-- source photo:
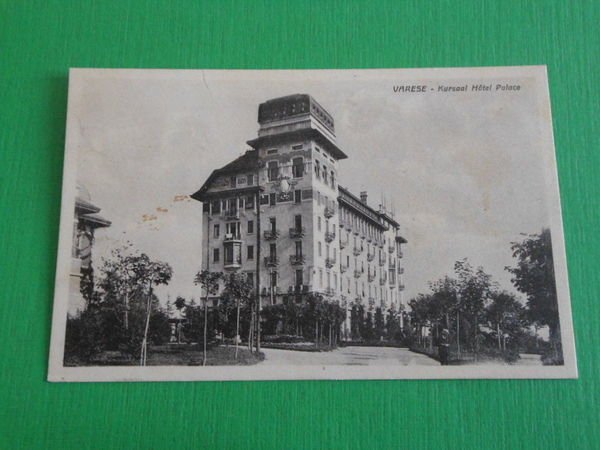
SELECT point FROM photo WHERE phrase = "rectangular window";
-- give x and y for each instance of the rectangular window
(319, 223)
(250, 252)
(250, 178)
(317, 169)
(297, 147)
(250, 202)
(272, 199)
(272, 251)
(273, 278)
(299, 277)
(273, 224)
(321, 277)
(273, 170)
(250, 278)
(298, 248)
(250, 226)
(272, 151)
(215, 255)
(233, 181)
(297, 167)
(264, 199)
(320, 249)
(216, 207)
(216, 231)
(297, 196)
(298, 222)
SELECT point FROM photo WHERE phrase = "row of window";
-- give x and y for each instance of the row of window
(321, 172)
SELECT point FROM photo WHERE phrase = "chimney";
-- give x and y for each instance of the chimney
(363, 197)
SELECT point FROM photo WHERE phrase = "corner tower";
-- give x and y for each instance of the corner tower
(296, 146)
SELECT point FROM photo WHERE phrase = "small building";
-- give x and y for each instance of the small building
(278, 214)
(85, 221)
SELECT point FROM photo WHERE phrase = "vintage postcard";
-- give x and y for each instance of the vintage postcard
(310, 224)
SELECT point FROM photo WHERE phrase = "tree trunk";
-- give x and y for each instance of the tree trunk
(498, 332)
(317, 333)
(237, 329)
(126, 319)
(144, 351)
(205, 329)
(458, 333)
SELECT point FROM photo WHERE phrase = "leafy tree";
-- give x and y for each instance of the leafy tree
(209, 281)
(241, 291)
(534, 276)
(505, 315)
(379, 323)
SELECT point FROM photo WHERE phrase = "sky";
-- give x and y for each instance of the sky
(466, 172)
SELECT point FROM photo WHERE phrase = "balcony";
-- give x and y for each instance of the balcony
(273, 290)
(234, 264)
(401, 286)
(271, 235)
(371, 277)
(357, 273)
(343, 268)
(232, 237)
(400, 270)
(400, 254)
(343, 244)
(392, 266)
(271, 261)
(371, 302)
(297, 260)
(329, 212)
(383, 281)
(298, 289)
(382, 260)
(392, 281)
(329, 262)
(370, 256)
(296, 233)
(231, 214)
(329, 292)
(329, 236)
(357, 251)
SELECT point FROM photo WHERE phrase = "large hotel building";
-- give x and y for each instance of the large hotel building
(278, 214)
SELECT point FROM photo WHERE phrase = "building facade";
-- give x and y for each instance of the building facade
(85, 222)
(278, 214)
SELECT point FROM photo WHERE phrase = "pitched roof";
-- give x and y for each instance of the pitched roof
(248, 160)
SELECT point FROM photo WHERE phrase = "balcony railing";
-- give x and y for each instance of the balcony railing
(296, 233)
(371, 277)
(296, 260)
(391, 249)
(329, 292)
(382, 260)
(370, 256)
(271, 261)
(232, 237)
(231, 214)
(392, 266)
(329, 262)
(357, 273)
(400, 270)
(298, 289)
(329, 212)
(401, 286)
(329, 236)
(343, 244)
(382, 281)
(400, 254)
(271, 235)
(357, 251)
(343, 268)
(275, 290)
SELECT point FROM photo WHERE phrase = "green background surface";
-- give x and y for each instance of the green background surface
(39, 41)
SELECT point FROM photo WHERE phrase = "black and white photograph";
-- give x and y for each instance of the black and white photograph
(310, 224)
